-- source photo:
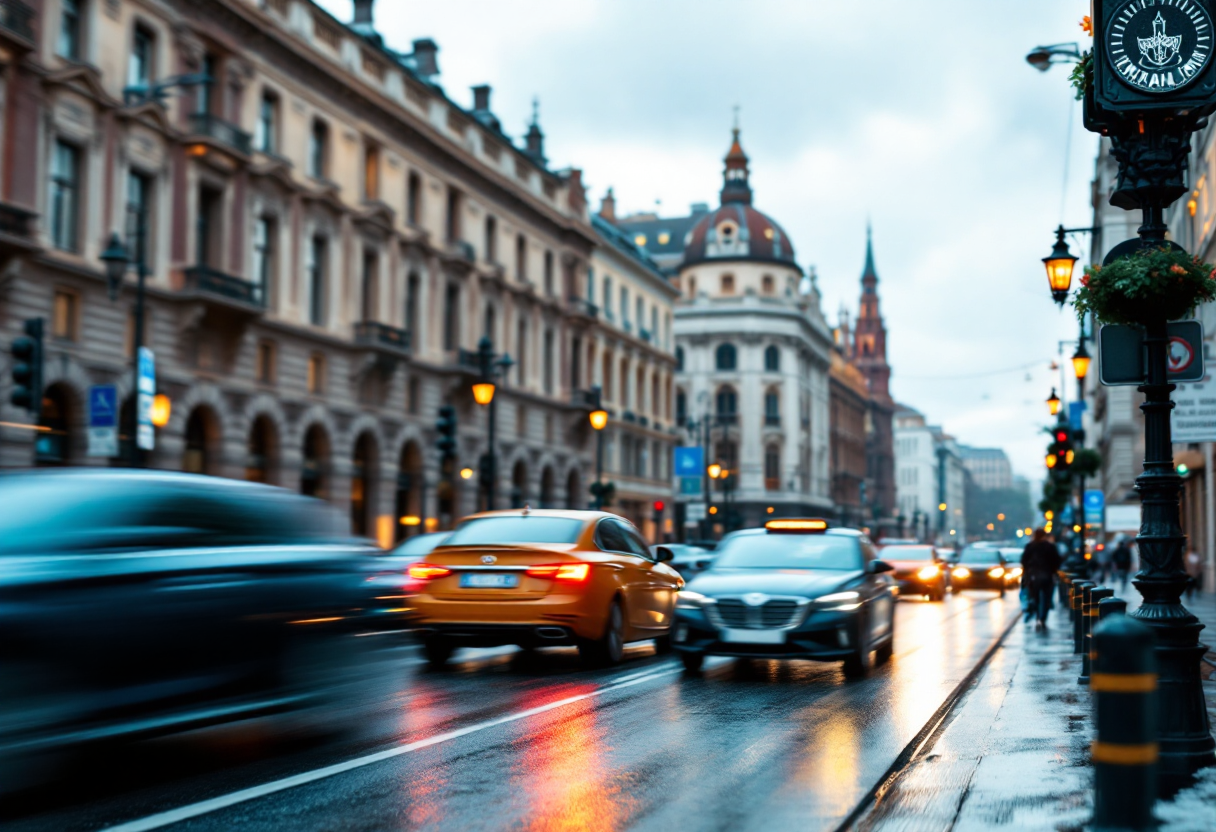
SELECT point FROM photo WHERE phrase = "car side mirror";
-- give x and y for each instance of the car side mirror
(663, 554)
(877, 567)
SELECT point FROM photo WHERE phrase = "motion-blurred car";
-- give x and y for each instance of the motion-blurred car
(916, 569)
(794, 589)
(392, 581)
(979, 567)
(541, 579)
(687, 559)
(1013, 566)
(139, 603)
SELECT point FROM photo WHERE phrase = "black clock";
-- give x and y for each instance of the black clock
(1159, 46)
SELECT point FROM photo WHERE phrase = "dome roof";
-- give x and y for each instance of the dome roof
(737, 231)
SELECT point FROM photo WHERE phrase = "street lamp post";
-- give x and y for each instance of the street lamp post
(117, 260)
(599, 420)
(491, 367)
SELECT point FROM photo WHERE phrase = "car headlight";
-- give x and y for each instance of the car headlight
(839, 601)
(689, 600)
(1017, 572)
(996, 572)
(961, 572)
(928, 573)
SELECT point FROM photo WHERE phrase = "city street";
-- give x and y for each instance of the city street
(506, 739)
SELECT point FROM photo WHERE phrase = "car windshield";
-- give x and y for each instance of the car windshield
(421, 544)
(788, 551)
(489, 531)
(978, 554)
(906, 553)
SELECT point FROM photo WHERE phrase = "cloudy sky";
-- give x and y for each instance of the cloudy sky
(922, 116)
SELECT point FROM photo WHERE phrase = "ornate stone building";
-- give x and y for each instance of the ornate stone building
(754, 353)
(327, 235)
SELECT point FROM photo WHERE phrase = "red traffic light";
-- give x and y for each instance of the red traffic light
(1061, 436)
(659, 505)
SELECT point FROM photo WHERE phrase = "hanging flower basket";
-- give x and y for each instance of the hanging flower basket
(1146, 286)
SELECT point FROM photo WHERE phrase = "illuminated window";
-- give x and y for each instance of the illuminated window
(664, 238)
(640, 239)
(768, 233)
(264, 364)
(65, 315)
(316, 373)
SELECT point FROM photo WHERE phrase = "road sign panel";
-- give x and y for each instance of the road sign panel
(1122, 354)
(1076, 414)
(694, 512)
(1193, 418)
(145, 436)
(103, 420)
(690, 485)
(689, 461)
(1095, 504)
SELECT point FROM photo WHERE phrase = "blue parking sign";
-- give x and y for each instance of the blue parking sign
(690, 462)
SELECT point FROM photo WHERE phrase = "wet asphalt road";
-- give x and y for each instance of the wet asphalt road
(509, 740)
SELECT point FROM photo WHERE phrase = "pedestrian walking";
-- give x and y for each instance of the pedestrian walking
(1040, 563)
(1194, 568)
(1121, 559)
(1106, 569)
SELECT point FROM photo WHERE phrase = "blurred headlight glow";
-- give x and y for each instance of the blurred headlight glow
(961, 572)
(996, 572)
(840, 601)
(1017, 572)
(928, 573)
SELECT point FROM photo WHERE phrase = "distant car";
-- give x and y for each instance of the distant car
(794, 589)
(142, 603)
(544, 578)
(979, 567)
(687, 559)
(1013, 565)
(897, 541)
(917, 570)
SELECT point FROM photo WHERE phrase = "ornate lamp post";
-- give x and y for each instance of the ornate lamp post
(599, 420)
(490, 367)
(1059, 265)
(117, 261)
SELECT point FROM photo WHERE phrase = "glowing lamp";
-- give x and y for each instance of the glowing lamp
(1059, 265)
(1053, 403)
(599, 419)
(483, 392)
(1051, 460)
(411, 520)
(161, 407)
(715, 471)
(1080, 362)
(466, 473)
(941, 506)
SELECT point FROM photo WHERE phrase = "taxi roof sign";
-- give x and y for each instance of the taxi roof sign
(797, 525)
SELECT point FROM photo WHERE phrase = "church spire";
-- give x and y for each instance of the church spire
(869, 332)
(869, 274)
(735, 186)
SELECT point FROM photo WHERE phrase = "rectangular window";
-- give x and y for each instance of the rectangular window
(413, 397)
(491, 242)
(65, 196)
(607, 281)
(522, 353)
(316, 374)
(318, 150)
(412, 287)
(69, 30)
(548, 362)
(316, 281)
(371, 171)
(65, 315)
(371, 284)
(205, 93)
(264, 362)
(452, 222)
(625, 309)
(413, 198)
(139, 215)
(549, 274)
(207, 252)
(451, 317)
(521, 259)
(139, 70)
(263, 257)
(266, 138)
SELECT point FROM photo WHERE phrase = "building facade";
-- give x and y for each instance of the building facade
(989, 468)
(849, 408)
(753, 354)
(931, 480)
(327, 235)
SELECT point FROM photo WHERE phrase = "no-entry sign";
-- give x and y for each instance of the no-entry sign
(1123, 356)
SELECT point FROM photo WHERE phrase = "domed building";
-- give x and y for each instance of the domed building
(753, 354)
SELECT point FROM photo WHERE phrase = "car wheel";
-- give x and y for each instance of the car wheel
(662, 644)
(857, 666)
(884, 653)
(610, 647)
(692, 662)
(438, 650)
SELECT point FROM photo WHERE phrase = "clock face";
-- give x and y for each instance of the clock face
(1159, 46)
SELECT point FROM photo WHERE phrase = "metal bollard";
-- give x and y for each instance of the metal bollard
(1091, 620)
(1078, 598)
(1124, 754)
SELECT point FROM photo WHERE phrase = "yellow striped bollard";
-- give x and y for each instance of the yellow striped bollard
(1078, 620)
(1096, 595)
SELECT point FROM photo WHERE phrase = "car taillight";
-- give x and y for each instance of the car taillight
(575, 572)
(428, 572)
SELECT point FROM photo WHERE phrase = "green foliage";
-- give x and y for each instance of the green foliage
(1141, 287)
(1087, 463)
(1082, 75)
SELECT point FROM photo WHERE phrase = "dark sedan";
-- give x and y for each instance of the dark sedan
(916, 570)
(792, 590)
(980, 567)
(138, 603)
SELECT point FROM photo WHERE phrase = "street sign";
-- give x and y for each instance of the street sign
(1123, 356)
(1076, 414)
(1095, 503)
(690, 462)
(145, 436)
(103, 420)
(694, 513)
(1193, 418)
(690, 486)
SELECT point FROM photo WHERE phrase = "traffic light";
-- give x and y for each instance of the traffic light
(1060, 453)
(27, 353)
(446, 426)
(659, 505)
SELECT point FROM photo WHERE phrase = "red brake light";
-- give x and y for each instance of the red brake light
(427, 572)
(575, 572)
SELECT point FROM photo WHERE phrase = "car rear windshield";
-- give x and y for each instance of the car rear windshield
(906, 553)
(977, 554)
(788, 551)
(490, 531)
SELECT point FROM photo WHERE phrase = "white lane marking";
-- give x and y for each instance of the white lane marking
(204, 807)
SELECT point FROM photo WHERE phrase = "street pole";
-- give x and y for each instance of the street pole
(941, 492)
(492, 461)
(599, 470)
(141, 270)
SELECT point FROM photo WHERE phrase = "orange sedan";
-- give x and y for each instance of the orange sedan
(544, 578)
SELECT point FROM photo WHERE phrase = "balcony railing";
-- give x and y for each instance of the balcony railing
(215, 128)
(582, 398)
(376, 334)
(629, 416)
(643, 421)
(644, 334)
(584, 307)
(17, 18)
(772, 484)
(727, 418)
(15, 221)
(462, 250)
(207, 280)
(772, 421)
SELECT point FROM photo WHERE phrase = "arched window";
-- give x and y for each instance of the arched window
(772, 359)
(725, 358)
(679, 359)
(692, 286)
(727, 402)
(766, 284)
(728, 284)
(772, 409)
(772, 468)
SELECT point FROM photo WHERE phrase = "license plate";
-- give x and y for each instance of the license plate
(482, 581)
(753, 636)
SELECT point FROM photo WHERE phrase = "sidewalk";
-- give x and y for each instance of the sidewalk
(1015, 752)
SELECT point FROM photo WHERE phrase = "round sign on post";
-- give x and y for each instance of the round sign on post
(1180, 356)
(1159, 46)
